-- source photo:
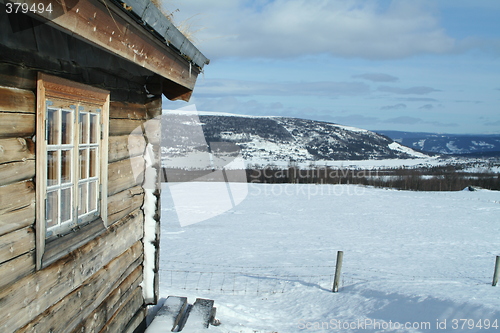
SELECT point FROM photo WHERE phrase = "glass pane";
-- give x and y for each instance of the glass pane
(83, 164)
(92, 196)
(52, 167)
(93, 163)
(66, 127)
(51, 209)
(52, 126)
(84, 127)
(66, 204)
(66, 166)
(94, 128)
(82, 198)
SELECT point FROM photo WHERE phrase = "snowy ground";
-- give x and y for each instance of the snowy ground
(413, 261)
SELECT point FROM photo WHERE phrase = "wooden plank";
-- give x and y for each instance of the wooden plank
(170, 314)
(16, 124)
(125, 146)
(58, 87)
(16, 269)
(96, 320)
(124, 110)
(16, 171)
(154, 108)
(124, 126)
(137, 323)
(16, 149)
(124, 202)
(16, 196)
(68, 313)
(61, 246)
(119, 321)
(200, 315)
(16, 100)
(16, 76)
(21, 305)
(91, 21)
(125, 174)
(16, 243)
(18, 218)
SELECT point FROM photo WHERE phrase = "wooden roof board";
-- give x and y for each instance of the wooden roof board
(107, 26)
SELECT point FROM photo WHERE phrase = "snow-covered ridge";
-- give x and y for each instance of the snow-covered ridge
(271, 140)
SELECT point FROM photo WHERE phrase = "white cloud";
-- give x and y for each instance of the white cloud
(224, 87)
(289, 28)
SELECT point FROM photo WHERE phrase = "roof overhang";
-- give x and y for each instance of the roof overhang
(106, 25)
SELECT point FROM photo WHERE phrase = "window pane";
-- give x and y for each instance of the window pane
(66, 127)
(66, 204)
(84, 127)
(52, 126)
(92, 196)
(83, 164)
(94, 128)
(66, 163)
(52, 167)
(82, 198)
(93, 162)
(51, 209)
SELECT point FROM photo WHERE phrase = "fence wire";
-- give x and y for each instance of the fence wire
(232, 279)
(236, 282)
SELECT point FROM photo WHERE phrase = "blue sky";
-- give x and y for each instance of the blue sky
(430, 66)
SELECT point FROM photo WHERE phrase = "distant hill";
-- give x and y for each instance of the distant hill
(187, 139)
(457, 144)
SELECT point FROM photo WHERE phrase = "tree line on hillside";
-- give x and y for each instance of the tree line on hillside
(440, 178)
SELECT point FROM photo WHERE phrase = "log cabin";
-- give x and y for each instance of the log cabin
(81, 86)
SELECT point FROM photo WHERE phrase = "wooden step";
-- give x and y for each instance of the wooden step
(169, 316)
(200, 315)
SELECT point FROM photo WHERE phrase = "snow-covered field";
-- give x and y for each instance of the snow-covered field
(413, 261)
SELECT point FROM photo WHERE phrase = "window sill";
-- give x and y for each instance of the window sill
(58, 247)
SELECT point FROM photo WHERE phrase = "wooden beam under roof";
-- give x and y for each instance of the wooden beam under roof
(105, 25)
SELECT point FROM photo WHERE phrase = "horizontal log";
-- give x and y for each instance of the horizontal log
(17, 171)
(16, 124)
(125, 146)
(125, 126)
(18, 218)
(125, 174)
(124, 110)
(16, 243)
(154, 108)
(17, 100)
(21, 304)
(119, 321)
(16, 149)
(124, 202)
(98, 320)
(135, 323)
(61, 246)
(16, 196)
(17, 76)
(77, 306)
(17, 268)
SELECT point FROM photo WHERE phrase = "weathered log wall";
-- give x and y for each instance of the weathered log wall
(96, 286)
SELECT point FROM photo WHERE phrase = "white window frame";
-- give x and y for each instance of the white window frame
(74, 223)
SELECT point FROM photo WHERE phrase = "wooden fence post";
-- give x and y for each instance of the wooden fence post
(338, 270)
(497, 272)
